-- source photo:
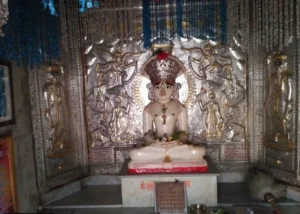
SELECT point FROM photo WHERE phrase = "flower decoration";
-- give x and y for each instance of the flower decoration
(165, 138)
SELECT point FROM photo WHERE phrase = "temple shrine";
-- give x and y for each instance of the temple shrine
(150, 106)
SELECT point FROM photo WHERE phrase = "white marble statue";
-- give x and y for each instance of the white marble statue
(165, 119)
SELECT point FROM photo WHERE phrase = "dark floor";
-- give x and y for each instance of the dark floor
(110, 195)
(236, 193)
(93, 196)
(227, 210)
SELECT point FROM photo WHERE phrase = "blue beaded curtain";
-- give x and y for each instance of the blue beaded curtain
(204, 19)
(31, 34)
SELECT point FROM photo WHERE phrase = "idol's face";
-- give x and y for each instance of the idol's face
(163, 91)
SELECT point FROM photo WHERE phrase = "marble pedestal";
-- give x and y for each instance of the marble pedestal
(138, 189)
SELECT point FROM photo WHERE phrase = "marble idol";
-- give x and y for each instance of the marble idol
(165, 124)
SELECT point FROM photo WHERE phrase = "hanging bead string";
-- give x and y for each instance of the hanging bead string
(136, 17)
(297, 30)
(63, 25)
(201, 18)
(110, 21)
(271, 24)
(223, 21)
(131, 25)
(216, 20)
(297, 22)
(292, 14)
(70, 23)
(78, 35)
(246, 24)
(275, 22)
(120, 21)
(286, 22)
(84, 4)
(186, 30)
(170, 19)
(162, 19)
(127, 24)
(204, 20)
(260, 25)
(195, 28)
(213, 29)
(207, 18)
(26, 33)
(179, 16)
(146, 23)
(280, 19)
(50, 4)
(116, 29)
(266, 24)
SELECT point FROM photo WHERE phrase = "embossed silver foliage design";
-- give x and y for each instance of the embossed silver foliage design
(221, 95)
(111, 70)
(116, 93)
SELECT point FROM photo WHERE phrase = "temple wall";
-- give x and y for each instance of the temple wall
(22, 134)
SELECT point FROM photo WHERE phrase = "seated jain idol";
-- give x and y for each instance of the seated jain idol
(165, 147)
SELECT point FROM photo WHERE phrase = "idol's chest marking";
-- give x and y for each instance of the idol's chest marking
(167, 114)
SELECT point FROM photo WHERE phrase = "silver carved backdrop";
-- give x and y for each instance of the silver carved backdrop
(214, 86)
(105, 93)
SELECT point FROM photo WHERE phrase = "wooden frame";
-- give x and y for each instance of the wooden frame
(8, 190)
(7, 113)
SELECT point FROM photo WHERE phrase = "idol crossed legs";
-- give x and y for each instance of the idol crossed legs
(158, 153)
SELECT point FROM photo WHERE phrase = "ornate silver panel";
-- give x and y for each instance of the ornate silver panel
(51, 172)
(297, 91)
(116, 94)
(283, 157)
(273, 30)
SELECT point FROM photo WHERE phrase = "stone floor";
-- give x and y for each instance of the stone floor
(92, 196)
(106, 199)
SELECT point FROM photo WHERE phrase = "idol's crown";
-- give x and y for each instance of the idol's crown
(162, 67)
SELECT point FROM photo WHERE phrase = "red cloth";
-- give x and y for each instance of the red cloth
(162, 55)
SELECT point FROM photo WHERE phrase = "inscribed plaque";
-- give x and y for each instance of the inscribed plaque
(234, 152)
(102, 155)
(170, 197)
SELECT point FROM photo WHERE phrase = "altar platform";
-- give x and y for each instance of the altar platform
(138, 189)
